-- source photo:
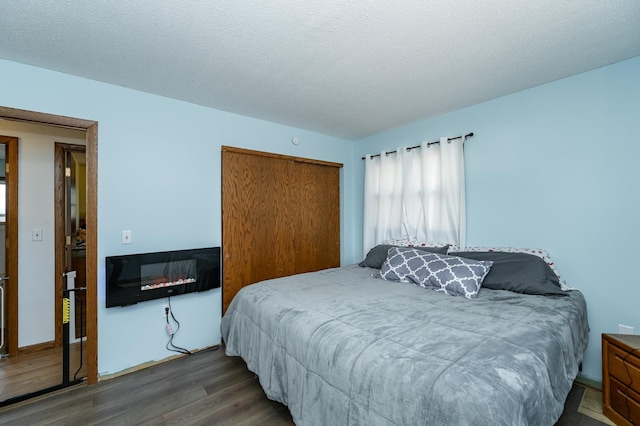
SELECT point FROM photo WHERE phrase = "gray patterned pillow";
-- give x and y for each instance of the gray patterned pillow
(455, 276)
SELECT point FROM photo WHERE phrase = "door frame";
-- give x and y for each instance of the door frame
(11, 301)
(91, 129)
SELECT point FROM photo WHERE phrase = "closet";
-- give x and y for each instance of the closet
(280, 216)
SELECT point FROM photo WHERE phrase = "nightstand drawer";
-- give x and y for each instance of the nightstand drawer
(623, 366)
(621, 378)
(625, 401)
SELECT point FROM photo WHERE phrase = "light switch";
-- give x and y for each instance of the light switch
(126, 237)
(36, 234)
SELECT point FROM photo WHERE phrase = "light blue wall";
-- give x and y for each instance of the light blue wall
(551, 167)
(159, 176)
(555, 167)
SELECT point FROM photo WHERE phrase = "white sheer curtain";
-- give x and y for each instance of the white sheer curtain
(416, 194)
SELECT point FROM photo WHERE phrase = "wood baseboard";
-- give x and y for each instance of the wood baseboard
(152, 363)
(36, 348)
(589, 382)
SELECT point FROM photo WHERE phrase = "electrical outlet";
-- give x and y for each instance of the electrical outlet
(36, 235)
(625, 329)
(166, 310)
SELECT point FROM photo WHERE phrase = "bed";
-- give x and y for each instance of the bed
(344, 347)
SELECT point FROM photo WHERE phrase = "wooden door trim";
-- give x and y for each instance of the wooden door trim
(44, 118)
(280, 156)
(92, 253)
(12, 235)
(91, 128)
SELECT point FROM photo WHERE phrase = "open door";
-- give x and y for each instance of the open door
(4, 277)
(71, 235)
(8, 245)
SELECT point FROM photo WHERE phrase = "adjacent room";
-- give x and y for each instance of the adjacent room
(161, 158)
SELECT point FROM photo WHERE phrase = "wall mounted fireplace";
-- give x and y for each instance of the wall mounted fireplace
(138, 277)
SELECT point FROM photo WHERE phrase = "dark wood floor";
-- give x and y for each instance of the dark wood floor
(35, 371)
(208, 388)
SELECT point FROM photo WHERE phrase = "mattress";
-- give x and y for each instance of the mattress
(340, 347)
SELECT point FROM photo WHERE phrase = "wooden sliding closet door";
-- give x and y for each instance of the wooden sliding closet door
(317, 237)
(280, 216)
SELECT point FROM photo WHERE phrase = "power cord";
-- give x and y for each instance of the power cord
(168, 311)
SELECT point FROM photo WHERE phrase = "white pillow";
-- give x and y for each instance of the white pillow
(417, 243)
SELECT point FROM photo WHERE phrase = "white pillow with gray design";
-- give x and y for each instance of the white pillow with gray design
(455, 276)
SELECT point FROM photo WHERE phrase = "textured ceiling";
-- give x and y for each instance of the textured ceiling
(343, 68)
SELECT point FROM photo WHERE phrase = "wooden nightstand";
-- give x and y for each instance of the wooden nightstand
(621, 378)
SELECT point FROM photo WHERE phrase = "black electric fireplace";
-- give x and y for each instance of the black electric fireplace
(138, 277)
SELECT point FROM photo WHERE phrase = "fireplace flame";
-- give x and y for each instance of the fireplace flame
(167, 282)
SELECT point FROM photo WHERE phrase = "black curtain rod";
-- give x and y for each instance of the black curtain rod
(468, 135)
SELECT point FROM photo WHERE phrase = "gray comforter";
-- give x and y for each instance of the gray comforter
(339, 347)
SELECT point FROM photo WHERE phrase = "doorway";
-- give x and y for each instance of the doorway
(90, 130)
(39, 354)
